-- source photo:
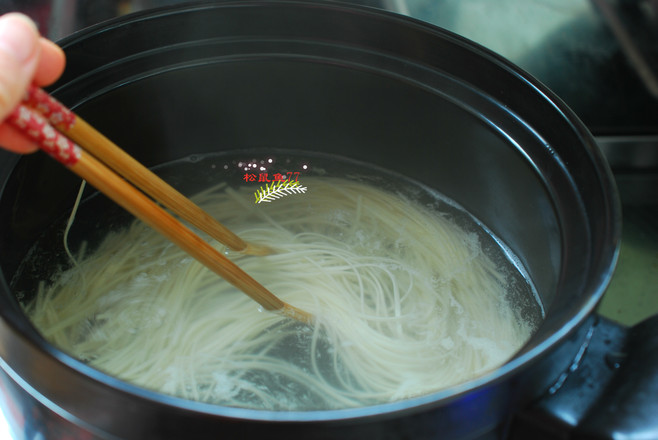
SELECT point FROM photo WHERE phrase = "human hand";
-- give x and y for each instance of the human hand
(25, 57)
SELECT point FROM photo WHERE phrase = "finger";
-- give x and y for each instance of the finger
(51, 63)
(19, 54)
(14, 140)
(50, 67)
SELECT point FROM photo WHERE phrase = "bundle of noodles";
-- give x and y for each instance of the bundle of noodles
(406, 303)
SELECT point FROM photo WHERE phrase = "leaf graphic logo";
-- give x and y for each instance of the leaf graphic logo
(277, 190)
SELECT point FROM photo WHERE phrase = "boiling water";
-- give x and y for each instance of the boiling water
(392, 322)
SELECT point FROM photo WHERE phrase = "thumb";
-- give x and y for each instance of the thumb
(19, 54)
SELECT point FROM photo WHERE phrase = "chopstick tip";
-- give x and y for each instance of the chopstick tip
(297, 314)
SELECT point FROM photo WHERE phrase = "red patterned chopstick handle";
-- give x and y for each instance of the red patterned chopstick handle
(37, 128)
(48, 106)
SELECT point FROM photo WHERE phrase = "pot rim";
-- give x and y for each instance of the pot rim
(510, 368)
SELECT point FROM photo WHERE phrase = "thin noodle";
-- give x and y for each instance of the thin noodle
(406, 303)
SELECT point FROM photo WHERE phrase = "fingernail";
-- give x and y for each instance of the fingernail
(18, 36)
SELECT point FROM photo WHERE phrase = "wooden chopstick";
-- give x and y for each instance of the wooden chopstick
(86, 136)
(64, 150)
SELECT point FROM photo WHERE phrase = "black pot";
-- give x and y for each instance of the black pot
(329, 78)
